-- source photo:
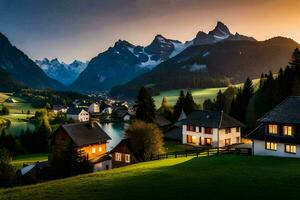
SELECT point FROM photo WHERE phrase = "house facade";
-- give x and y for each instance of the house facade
(78, 115)
(89, 139)
(211, 128)
(122, 154)
(60, 109)
(94, 108)
(278, 133)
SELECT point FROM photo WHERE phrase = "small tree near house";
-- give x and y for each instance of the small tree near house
(146, 139)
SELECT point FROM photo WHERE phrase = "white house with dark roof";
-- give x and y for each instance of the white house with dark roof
(78, 114)
(279, 131)
(211, 128)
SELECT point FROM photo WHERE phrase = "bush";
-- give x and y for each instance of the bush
(146, 139)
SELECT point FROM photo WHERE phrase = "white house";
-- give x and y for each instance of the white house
(59, 109)
(78, 114)
(278, 132)
(212, 128)
(94, 108)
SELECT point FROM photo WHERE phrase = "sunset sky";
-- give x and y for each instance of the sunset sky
(80, 29)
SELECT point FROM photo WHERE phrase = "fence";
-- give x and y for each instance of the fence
(204, 152)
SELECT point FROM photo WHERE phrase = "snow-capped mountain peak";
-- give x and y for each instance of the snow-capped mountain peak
(220, 33)
(60, 71)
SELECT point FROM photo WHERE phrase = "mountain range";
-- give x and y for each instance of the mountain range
(125, 61)
(214, 65)
(21, 70)
(213, 59)
(60, 71)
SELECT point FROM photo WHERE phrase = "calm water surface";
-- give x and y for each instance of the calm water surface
(115, 131)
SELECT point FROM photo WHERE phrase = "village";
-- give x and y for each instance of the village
(200, 133)
(149, 99)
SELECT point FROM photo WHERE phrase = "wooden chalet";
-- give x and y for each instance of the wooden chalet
(123, 155)
(89, 139)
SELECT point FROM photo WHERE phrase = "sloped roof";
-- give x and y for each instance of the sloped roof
(259, 134)
(74, 111)
(84, 133)
(287, 111)
(212, 119)
(161, 120)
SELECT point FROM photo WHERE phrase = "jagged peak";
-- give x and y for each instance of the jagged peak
(220, 28)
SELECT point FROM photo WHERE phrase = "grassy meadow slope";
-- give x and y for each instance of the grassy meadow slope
(215, 177)
(200, 95)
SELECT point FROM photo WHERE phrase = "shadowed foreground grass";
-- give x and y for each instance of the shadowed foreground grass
(216, 177)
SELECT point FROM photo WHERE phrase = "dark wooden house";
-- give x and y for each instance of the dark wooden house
(123, 155)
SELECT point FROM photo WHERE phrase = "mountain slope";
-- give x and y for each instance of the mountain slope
(124, 61)
(214, 65)
(22, 68)
(60, 71)
(7, 83)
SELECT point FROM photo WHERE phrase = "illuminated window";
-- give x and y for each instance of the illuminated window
(290, 148)
(288, 130)
(93, 150)
(194, 139)
(207, 141)
(272, 129)
(127, 158)
(118, 157)
(227, 142)
(100, 149)
(271, 146)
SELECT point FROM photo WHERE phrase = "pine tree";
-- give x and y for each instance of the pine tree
(220, 101)
(189, 104)
(178, 106)
(145, 107)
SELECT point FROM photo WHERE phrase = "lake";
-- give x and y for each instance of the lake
(115, 131)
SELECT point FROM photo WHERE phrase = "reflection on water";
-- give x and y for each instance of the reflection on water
(115, 131)
(16, 128)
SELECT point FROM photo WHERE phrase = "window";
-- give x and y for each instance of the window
(208, 130)
(272, 129)
(100, 149)
(227, 142)
(190, 128)
(118, 157)
(207, 141)
(288, 148)
(271, 146)
(228, 130)
(93, 150)
(191, 139)
(237, 139)
(127, 158)
(237, 129)
(288, 130)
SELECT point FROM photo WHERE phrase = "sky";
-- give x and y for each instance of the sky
(81, 29)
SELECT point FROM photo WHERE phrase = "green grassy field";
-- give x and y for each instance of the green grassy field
(200, 95)
(215, 177)
(18, 161)
(18, 113)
